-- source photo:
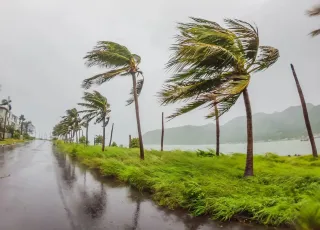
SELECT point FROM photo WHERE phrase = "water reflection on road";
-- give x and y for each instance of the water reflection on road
(96, 203)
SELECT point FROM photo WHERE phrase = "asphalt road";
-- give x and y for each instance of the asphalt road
(41, 189)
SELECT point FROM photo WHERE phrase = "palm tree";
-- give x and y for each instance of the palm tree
(21, 119)
(7, 103)
(72, 121)
(121, 62)
(209, 58)
(85, 123)
(97, 107)
(315, 11)
(305, 113)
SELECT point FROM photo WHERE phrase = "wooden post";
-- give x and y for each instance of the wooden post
(162, 132)
(129, 141)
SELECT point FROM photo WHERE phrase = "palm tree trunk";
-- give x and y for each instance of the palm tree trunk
(5, 125)
(21, 134)
(305, 114)
(87, 133)
(77, 137)
(104, 135)
(162, 132)
(111, 134)
(249, 161)
(134, 81)
(216, 111)
(129, 141)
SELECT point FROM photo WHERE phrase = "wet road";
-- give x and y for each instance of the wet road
(41, 189)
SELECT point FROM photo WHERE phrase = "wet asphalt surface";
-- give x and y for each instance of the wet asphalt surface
(41, 189)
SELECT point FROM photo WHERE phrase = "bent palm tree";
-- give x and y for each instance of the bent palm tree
(305, 113)
(209, 58)
(96, 107)
(121, 62)
(315, 11)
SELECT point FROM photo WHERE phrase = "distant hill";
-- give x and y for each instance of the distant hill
(276, 126)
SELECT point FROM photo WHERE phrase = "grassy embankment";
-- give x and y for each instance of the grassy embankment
(214, 185)
(10, 141)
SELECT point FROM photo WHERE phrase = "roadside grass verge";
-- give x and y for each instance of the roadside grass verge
(10, 141)
(212, 186)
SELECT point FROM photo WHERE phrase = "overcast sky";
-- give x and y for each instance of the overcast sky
(42, 44)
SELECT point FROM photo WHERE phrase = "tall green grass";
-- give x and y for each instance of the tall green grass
(214, 186)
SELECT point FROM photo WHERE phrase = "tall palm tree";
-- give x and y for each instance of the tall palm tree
(305, 113)
(121, 62)
(6, 103)
(97, 107)
(209, 58)
(21, 119)
(315, 11)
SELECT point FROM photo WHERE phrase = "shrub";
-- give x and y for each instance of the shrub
(114, 144)
(82, 140)
(134, 143)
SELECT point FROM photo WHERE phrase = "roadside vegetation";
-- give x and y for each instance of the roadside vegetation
(11, 141)
(212, 186)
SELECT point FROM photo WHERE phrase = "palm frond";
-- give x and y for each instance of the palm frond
(108, 54)
(248, 37)
(315, 11)
(139, 89)
(137, 58)
(187, 108)
(315, 33)
(99, 79)
(266, 58)
(224, 104)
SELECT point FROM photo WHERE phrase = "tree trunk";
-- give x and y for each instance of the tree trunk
(162, 132)
(249, 161)
(216, 111)
(104, 135)
(134, 81)
(111, 134)
(305, 114)
(129, 141)
(5, 125)
(87, 133)
(21, 129)
(77, 137)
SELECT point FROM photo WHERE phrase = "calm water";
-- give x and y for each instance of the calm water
(280, 147)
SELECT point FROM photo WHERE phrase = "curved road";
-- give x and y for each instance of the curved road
(41, 189)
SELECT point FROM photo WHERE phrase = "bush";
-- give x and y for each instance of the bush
(114, 144)
(16, 134)
(209, 153)
(134, 143)
(82, 140)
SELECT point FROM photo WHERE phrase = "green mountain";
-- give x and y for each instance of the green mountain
(276, 126)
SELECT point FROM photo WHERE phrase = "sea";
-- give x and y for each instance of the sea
(283, 148)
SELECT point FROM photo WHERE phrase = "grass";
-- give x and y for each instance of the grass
(213, 186)
(10, 141)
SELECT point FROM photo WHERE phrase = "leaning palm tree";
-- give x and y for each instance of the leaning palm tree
(305, 113)
(315, 11)
(209, 58)
(121, 62)
(72, 121)
(97, 107)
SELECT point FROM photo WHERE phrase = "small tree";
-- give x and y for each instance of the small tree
(114, 144)
(134, 143)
